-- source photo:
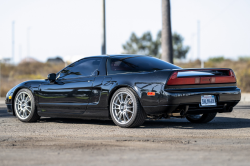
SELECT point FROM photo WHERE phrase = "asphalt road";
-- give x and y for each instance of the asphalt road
(51, 141)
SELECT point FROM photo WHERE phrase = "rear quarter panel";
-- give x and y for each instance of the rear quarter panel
(142, 83)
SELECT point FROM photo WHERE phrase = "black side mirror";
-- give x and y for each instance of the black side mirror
(52, 77)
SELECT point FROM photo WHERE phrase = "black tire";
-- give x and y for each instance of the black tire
(33, 116)
(137, 118)
(204, 118)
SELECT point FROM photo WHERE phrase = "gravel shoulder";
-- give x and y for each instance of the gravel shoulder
(54, 141)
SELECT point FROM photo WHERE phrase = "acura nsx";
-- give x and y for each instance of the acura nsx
(127, 89)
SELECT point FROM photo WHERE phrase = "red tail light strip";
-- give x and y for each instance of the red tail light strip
(174, 80)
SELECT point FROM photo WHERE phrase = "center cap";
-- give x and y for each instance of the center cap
(122, 106)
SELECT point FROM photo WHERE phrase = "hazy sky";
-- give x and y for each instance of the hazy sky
(72, 28)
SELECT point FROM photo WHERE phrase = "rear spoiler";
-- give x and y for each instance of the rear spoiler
(202, 76)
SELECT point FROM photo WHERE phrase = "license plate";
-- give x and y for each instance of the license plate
(208, 100)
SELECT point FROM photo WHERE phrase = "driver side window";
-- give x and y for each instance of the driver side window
(83, 68)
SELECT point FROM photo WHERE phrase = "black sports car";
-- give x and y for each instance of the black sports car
(127, 89)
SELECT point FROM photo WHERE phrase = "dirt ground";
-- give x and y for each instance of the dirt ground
(51, 141)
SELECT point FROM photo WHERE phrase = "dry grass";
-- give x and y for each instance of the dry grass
(13, 75)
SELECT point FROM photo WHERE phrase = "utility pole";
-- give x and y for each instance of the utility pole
(20, 52)
(103, 27)
(166, 36)
(198, 44)
(0, 76)
(198, 39)
(13, 41)
(28, 41)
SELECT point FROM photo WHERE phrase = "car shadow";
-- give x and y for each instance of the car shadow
(217, 123)
(77, 121)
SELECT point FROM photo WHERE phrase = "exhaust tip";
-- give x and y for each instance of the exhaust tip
(181, 113)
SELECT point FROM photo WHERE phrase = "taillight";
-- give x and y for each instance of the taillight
(231, 73)
(174, 76)
(175, 80)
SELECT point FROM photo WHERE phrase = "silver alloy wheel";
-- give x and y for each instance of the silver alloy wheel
(23, 105)
(123, 107)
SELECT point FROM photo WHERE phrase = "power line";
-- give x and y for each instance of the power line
(13, 41)
(218, 14)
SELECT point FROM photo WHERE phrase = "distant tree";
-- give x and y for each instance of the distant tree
(145, 45)
(179, 50)
(142, 45)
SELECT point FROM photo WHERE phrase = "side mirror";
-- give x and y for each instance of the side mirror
(52, 77)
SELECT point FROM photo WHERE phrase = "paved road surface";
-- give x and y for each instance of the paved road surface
(51, 141)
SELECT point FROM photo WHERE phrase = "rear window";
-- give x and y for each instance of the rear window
(123, 64)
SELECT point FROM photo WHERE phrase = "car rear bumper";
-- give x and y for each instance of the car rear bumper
(175, 102)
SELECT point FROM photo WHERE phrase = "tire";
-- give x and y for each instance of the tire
(125, 109)
(203, 118)
(24, 106)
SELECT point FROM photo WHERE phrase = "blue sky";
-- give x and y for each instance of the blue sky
(72, 28)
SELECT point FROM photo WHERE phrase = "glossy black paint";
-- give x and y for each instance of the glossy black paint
(89, 97)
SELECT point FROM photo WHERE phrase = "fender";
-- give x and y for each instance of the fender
(32, 85)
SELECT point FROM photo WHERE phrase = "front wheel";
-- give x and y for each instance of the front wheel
(125, 109)
(24, 106)
(201, 118)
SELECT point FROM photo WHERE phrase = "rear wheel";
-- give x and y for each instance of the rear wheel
(125, 109)
(24, 106)
(201, 118)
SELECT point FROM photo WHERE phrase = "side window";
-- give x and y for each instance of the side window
(83, 68)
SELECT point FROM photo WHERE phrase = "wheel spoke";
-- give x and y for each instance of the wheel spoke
(116, 104)
(28, 110)
(23, 96)
(125, 101)
(27, 99)
(120, 116)
(20, 111)
(129, 111)
(121, 97)
(126, 115)
(128, 101)
(24, 114)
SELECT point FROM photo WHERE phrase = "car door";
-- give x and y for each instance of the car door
(71, 91)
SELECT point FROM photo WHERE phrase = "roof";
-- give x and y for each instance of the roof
(112, 55)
